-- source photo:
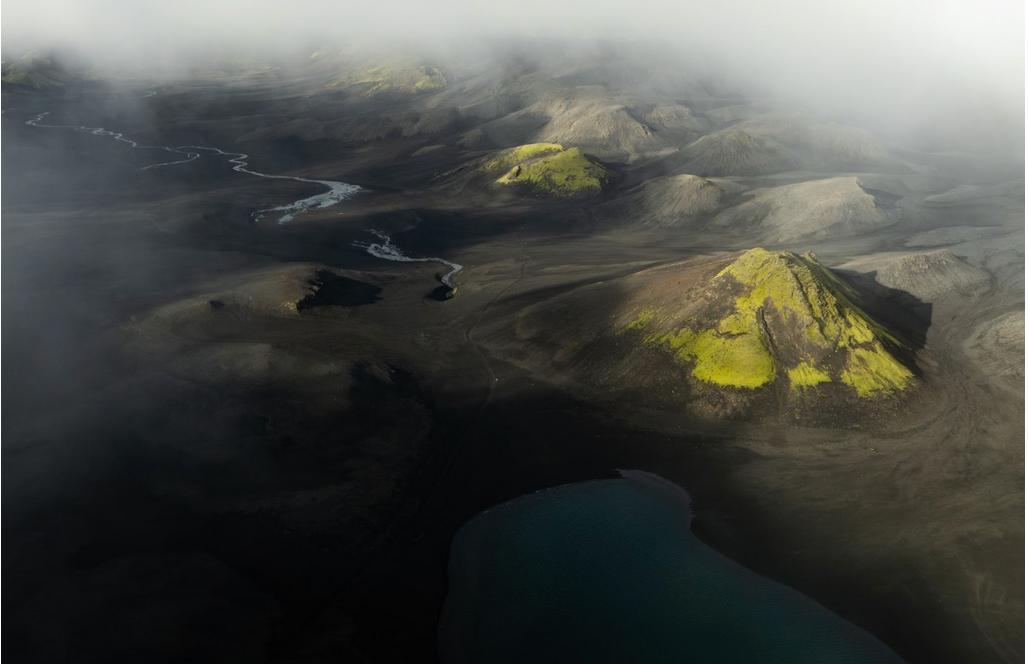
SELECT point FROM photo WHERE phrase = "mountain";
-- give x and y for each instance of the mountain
(1000, 204)
(929, 276)
(767, 335)
(35, 70)
(665, 202)
(399, 77)
(615, 127)
(833, 207)
(548, 170)
(735, 152)
(771, 316)
(969, 193)
(782, 141)
(214, 336)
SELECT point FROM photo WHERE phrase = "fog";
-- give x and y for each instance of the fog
(952, 69)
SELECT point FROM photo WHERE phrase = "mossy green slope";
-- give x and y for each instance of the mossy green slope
(514, 156)
(400, 77)
(777, 316)
(34, 70)
(549, 169)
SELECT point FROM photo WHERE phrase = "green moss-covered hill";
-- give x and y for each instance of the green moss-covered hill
(776, 318)
(548, 169)
(405, 77)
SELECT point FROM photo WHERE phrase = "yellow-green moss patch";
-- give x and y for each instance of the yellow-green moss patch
(510, 158)
(806, 375)
(727, 360)
(643, 318)
(873, 372)
(800, 288)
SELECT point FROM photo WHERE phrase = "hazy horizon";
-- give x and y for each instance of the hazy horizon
(955, 69)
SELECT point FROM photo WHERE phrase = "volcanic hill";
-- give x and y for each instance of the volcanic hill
(774, 316)
(735, 152)
(775, 142)
(402, 77)
(665, 202)
(828, 208)
(929, 277)
(548, 170)
(35, 70)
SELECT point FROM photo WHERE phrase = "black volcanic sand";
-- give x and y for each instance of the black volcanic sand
(188, 482)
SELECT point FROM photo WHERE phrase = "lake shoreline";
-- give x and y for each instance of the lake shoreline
(574, 569)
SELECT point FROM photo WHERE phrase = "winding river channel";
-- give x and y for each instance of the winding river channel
(390, 252)
(337, 191)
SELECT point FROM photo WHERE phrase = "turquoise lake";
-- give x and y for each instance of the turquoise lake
(608, 571)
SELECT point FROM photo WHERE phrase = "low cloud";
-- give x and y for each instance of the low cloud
(954, 66)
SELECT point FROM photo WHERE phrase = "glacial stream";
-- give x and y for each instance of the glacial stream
(337, 191)
(389, 251)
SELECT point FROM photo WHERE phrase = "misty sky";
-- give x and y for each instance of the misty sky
(944, 57)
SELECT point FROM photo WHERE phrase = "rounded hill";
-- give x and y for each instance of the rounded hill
(929, 277)
(665, 202)
(832, 207)
(548, 170)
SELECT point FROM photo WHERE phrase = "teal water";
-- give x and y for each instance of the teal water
(608, 571)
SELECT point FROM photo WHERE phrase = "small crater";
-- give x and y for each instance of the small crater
(332, 290)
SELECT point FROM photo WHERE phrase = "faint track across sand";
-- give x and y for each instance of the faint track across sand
(469, 335)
